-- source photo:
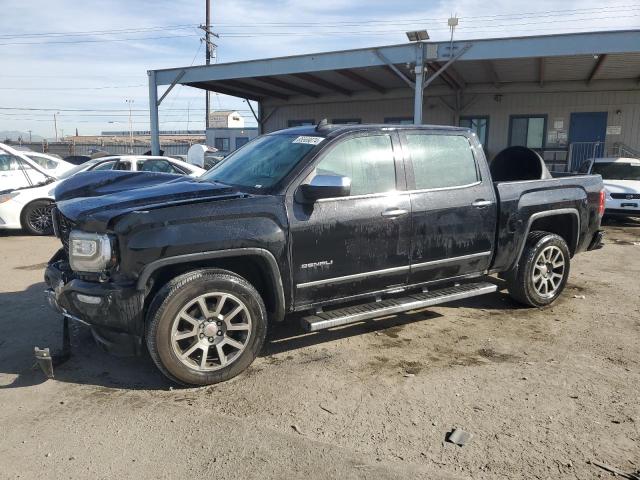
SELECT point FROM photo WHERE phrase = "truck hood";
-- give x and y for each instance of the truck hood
(92, 199)
(622, 186)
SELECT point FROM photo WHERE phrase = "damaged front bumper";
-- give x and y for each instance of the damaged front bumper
(114, 311)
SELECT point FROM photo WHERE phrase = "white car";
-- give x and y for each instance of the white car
(621, 177)
(18, 169)
(29, 208)
(53, 165)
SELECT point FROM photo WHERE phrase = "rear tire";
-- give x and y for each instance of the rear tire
(542, 271)
(205, 327)
(36, 218)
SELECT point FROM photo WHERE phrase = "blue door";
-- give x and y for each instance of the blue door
(587, 131)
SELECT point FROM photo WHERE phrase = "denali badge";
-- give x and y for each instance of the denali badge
(629, 197)
(324, 263)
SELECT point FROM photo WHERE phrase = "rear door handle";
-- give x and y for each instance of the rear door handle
(395, 212)
(481, 203)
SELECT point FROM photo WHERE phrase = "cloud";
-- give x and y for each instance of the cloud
(77, 66)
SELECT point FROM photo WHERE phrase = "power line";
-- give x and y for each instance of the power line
(99, 32)
(72, 88)
(106, 40)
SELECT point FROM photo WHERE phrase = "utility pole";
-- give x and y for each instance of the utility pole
(29, 135)
(207, 39)
(55, 124)
(130, 102)
(209, 48)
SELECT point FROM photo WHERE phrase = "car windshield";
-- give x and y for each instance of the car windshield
(617, 170)
(79, 168)
(262, 162)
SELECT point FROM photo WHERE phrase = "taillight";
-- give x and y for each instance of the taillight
(601, 203)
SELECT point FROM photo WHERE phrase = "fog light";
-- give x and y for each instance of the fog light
(89, 299)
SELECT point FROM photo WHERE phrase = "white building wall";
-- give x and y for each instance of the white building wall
(623, 108)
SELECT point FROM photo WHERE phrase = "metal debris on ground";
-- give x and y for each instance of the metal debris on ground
(297, 429)
(581, 297)
(459, 437)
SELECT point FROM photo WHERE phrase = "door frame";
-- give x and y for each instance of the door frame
(572, 115)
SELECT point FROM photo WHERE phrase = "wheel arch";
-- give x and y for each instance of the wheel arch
(564, 222)
(258, 266)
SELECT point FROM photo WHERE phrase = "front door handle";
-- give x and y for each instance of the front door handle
(481, 203)
(395, 212)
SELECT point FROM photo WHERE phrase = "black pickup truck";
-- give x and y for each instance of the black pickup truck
(345, 223)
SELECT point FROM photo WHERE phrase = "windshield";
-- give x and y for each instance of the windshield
(262, 162)
(79, 168)
(617, 170)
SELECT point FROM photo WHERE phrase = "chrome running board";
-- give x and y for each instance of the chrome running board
(357, 313)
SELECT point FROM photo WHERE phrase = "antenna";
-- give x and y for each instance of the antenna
(322, 123)
(453, 23)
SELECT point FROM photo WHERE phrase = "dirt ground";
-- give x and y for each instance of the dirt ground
(542, 391)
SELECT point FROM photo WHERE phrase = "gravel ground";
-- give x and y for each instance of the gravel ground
(542, 391)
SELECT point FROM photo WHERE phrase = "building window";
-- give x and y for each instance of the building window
(479, 126)
(240, 141)
(346, 121)
(527, 130)
(399, 120)
(300, 123)
(221, 144)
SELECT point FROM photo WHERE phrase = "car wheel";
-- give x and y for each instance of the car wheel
(36, 218)
(205, 327)
(542, 272)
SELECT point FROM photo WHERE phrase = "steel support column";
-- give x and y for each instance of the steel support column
(419, 90)
(153, 114)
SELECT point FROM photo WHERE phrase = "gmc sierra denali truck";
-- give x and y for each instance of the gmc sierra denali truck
(346, 223)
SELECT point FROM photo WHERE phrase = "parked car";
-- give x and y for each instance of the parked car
(18, 170)
(381, 218)
(77, 159)
(621, 178)
(50, 163)
(29, 208)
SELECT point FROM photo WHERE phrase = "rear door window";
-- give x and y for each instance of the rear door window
(157, 165)
(441, 161)
(367, 161)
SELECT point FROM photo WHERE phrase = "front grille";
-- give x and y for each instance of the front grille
(63, 227)
(626, 196)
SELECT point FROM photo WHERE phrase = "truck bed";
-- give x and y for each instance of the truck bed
(520, 203)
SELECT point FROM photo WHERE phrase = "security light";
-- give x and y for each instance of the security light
(418, 36)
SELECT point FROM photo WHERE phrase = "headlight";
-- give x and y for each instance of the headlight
(8, 196)
(89, 252)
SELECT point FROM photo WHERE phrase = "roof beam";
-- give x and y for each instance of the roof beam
(450, 83)
(323, 83)
(442, 69)
(259, 90)
(287, 86)
(541, 71)
(491, 71)
(393, 69)
(596, 68)
(216, 87)
(453, 74)
(364, 81)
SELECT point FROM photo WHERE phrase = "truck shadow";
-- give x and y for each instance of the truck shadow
(27, 321)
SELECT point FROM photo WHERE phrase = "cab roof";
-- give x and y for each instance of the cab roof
(331, 130)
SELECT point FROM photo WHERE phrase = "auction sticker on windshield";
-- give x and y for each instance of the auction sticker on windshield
(308, 140)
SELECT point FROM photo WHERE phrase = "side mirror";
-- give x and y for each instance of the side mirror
(326, 186)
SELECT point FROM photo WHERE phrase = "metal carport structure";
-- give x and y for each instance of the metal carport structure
(591, 61)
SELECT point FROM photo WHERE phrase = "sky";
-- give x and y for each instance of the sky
(86, 59)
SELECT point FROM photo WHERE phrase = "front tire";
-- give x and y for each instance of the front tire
(542, 271)
(36, 218)
(205, 327)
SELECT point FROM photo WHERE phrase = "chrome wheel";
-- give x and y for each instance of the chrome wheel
(548, 271)
(211, 331)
